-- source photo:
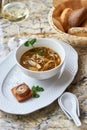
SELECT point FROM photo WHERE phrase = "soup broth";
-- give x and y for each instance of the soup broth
(40, 59)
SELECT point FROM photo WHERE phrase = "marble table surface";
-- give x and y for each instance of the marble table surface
(50, 117)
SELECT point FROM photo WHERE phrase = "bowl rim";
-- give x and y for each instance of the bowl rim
(38, 72)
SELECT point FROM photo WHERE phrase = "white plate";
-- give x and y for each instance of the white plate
(10, 75)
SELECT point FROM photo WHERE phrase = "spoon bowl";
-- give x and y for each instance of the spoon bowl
(69, 104)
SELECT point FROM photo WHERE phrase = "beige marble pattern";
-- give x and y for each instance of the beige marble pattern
(50, 117)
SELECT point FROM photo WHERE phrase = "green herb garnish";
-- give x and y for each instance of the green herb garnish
(30, 42)
(35, 95)
(36, 89)
(40, 52)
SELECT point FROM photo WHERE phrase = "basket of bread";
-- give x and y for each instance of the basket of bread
(69, 19)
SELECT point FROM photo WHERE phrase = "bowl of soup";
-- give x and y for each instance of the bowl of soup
(42, 60)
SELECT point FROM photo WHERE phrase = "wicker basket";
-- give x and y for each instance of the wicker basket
(71, 39)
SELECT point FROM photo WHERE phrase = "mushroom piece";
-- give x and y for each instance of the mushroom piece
(32, 63)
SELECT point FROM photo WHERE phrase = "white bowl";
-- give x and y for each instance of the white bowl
(42, 42)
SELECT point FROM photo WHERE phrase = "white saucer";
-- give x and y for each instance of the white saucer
(10, 75)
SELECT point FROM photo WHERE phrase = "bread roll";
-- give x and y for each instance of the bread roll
(78, 31)
(77, 17)
(58, 10)
(64, 18)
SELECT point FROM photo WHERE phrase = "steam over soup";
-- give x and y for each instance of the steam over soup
(40, 59)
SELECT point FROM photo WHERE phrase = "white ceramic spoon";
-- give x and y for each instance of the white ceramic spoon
(69, 105)
(60, 104)
(77, 106)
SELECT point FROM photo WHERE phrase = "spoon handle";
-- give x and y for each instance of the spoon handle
(76, 119)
